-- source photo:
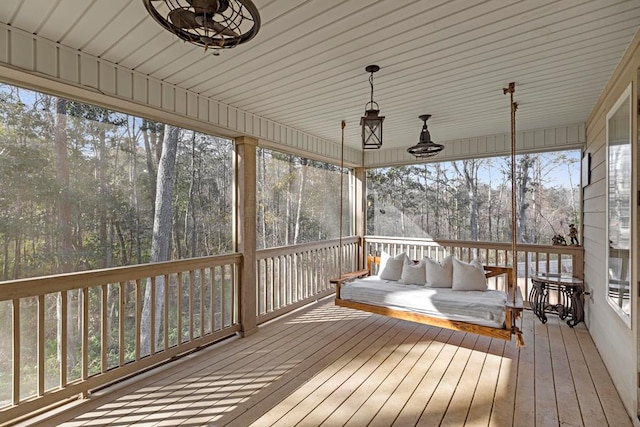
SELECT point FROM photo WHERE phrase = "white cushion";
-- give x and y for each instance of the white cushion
(439, 274)
(391, 268)
(468, 276)
(414, 274)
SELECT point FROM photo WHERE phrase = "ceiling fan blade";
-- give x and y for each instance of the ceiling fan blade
(184, 19)
(221, 29)
(208, 22)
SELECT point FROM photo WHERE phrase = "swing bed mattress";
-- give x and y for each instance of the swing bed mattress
(482, 308)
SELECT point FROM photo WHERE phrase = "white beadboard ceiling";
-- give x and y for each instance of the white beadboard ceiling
(305, 68)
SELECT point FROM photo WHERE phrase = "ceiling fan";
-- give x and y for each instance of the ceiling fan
(216, 24)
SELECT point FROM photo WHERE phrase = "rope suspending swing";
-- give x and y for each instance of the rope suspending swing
(510, 89)
(342, 125)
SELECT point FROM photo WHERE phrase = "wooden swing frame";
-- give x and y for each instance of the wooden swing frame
(513, 307)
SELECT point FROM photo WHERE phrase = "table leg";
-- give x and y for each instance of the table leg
(577, 308)
(539, 296)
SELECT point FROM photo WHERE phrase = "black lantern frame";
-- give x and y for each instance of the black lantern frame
(371, 122)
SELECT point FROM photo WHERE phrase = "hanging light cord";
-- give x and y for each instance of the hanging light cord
(370, 83)
(514, 106)
(342, 124)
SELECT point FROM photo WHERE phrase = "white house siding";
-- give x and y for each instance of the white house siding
(616, 342)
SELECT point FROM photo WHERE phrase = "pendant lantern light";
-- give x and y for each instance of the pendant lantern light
(425, 147)
(371, 122)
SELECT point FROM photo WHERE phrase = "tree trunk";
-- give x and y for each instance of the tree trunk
(190, 216)
(264, 200)
(303, 179)
(135, 202)
(65, 246)
(161, 242)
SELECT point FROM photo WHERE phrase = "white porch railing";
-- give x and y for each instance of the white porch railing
(292, 276)
(531, 258)
(62, 336)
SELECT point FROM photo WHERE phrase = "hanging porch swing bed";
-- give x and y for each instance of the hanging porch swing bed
(458, 300)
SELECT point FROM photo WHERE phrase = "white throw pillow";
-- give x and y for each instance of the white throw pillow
(392, 268)
(439, 274)
(414, 274)
(468, 276)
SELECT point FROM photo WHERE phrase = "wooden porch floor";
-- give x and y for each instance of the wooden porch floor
(333, 366)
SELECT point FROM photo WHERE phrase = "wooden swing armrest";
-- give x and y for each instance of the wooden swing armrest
(514, 300)
(349, 276)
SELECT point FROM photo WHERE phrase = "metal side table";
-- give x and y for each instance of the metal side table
(569, 291)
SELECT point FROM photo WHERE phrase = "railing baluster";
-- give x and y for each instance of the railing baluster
(214, 306)
(63, 338)
(179, 307)
(202, 297)
(85, 335)
(234, 295)
(41, 344)
(16, 350)
(138, 285)
(272, 284)
(121, 318)
(152, 321)
(191, 304)
(165, 312)
(223, 298)
(103, 327)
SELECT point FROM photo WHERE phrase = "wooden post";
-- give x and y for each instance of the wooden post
(246, 231)
(360, 204)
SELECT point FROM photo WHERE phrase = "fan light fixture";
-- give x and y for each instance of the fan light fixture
(425, 147)
(371, 122)
(215, 24)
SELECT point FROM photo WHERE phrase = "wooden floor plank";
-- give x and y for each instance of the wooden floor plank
(612, 406)
(287, 364)
(381, 374)
(307, 397)
(380, 399)
(337, 366)
(458, 408)
(354, 390)
(545, 401)
(502, 411)
(413, 410)
(566, 397)
(250, 410)
(525, 410)
(590, 407)
(413, 380)
(484, 395)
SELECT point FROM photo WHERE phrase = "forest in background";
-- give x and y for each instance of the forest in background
(79, 187)
(471, 199)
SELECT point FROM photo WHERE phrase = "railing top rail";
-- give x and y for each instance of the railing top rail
(525, 247)
(287, 250)
(30, 287)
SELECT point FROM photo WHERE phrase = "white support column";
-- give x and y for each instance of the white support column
(246, 230)
(360, 204)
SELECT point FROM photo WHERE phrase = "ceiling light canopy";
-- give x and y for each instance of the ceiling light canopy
(371, 122)
(425, 147)
(215, 24)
